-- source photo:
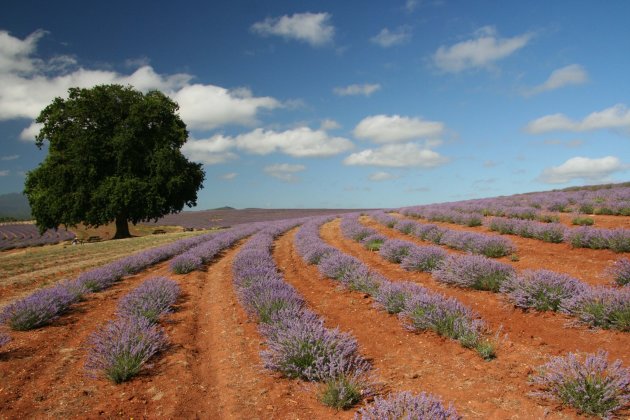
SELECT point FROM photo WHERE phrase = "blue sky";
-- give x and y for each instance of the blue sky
(343, 103)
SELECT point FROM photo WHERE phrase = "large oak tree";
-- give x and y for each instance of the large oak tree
(114, 155)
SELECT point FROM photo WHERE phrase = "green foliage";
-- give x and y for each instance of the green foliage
(113, 155)
(583, 221)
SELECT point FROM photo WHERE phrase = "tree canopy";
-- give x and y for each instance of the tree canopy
(114, 155)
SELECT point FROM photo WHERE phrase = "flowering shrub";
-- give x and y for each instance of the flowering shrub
(406, 226)
(150, 300)
(4, 339)
(620, 271)
(405, 405)
(346, 390)
(353, 229)
(582, 221)
(617, 240)
(394, 250)
(362, 279)
(337, 265)
(186, 263)
(373, 242)
(594, 386)
(393, 296)
(477, 243)
(384, 218)
(264, 299)
(423, 258)
(38, 309)
(473, 271)
(603, 307)
(543, 290)
(123, 346)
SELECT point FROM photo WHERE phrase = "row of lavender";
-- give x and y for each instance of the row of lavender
(541, 290)
(44, 305)
(418, 308)
(594, 386)
(121, 347)
(617, 240)
(612, 201)
(24, 235)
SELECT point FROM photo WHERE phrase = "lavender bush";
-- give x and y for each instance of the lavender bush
(362, 279)
(38, 309)
(620, 272)
(373, 242)
(603, 307)
(594, 386)
(150, 300)
(337, 265)
(346, 390)
(543, 290)
(265, 298)
(4, 339)
(423, 258)
(405, 405)
(353, 229)
(406, 226)
(473, 271)
(393, 296)
(384, 218)
(394, 250)
(120, 349)
(183, 264)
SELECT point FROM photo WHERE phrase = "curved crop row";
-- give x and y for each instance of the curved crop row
(122, 346)
(541, 290)
(418, 308)
(44, 305)
(298, 344)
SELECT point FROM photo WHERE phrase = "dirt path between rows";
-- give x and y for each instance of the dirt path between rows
(588, 265)
(549, 333)
(416, 362)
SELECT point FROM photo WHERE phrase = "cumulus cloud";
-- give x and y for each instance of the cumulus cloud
(397, 156)
(28, 84)
(29, 133)
(353, 90)
(4, 172)
(573, 74)
(485, 48)
(297, 142)
(386, 38)
(589, 169)
(284, 171)
(615, 117)
(329, 124)
(312, 28)
(381, 176)
(394, 128)
(229, 176)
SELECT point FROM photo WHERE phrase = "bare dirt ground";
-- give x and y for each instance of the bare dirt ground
(212, 368)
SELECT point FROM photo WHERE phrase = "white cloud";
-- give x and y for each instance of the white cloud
(381, 176)
(313, 28)
(411, 5)
(366, 90)
(479, 52)
(284, 171)
(329, 124)
(615, 117)
(9, 157)
(573, 74)
(229, 176)
(298, 142)
(29, 133)
(397, 156)
(394, 128)
(206, 106)
(4, 172)
(590, 170)
(28, 84)
(386, 38)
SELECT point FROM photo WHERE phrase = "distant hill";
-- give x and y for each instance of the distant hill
(14, 205)
(225, 208)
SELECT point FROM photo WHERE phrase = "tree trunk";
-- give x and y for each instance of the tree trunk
(122, 228)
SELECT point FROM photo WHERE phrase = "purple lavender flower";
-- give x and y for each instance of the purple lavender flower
(362, 279)
(150, 300)
(264, 299)
(405, 405)
(353, 229)
(186, 263)
(384, 218)
(123, 346)
(307, 350)
(543, 290)
(337, 265)
(4, 339)
(38, 309)
(394, 250)
(620, 272)
(588, 237)
(603, 307)
(423, 258)
(393, 296)
(406, 226)
(373, 242)
(594, 386)
(473, 271)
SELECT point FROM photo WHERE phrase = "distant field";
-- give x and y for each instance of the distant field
(231, 217)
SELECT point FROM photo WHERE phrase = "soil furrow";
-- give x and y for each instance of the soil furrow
(410, 361)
